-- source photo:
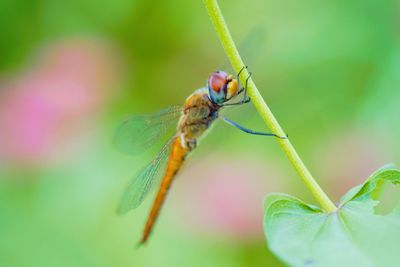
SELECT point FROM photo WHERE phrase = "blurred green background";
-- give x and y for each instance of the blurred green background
(70, 71)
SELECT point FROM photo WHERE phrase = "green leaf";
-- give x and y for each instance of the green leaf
(302, 235)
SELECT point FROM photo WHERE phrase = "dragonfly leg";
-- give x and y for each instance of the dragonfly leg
(243, 89)
(244, 67)
(244, 101)
(249, 131)
(238, 78)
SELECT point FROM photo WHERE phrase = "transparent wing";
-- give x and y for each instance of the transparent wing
(145, 181)
(139, 132)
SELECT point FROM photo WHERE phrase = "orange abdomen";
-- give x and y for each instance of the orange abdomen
(175, 161)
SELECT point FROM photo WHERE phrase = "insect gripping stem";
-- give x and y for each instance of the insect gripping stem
(234, 57)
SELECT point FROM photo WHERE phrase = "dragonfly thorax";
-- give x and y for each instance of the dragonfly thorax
(222, 87)
(199, 111)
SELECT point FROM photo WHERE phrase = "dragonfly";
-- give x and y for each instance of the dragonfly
(193, 118)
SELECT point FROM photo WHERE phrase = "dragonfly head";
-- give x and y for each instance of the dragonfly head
(222, 87)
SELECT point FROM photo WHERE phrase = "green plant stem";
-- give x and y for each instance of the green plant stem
(262, 108)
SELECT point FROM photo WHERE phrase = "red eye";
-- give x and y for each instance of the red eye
(217, 81)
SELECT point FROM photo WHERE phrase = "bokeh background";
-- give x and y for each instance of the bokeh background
(70, 71)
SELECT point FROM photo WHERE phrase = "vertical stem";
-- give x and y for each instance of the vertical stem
(230, 48)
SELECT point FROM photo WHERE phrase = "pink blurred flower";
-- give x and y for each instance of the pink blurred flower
(224, 198)
(42, 109)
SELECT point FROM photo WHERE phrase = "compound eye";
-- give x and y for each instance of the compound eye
(218, 81)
